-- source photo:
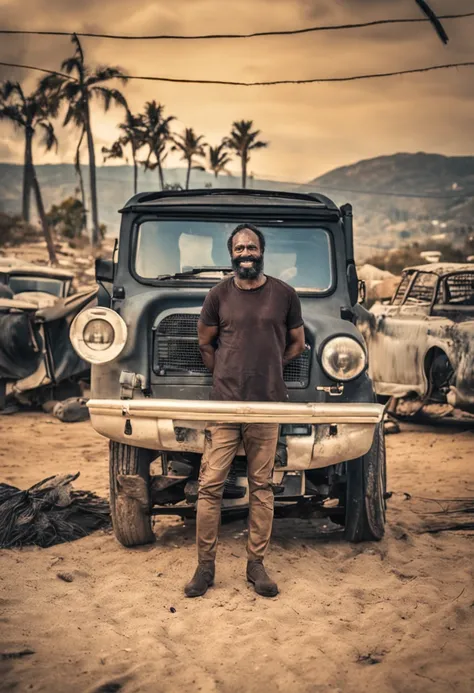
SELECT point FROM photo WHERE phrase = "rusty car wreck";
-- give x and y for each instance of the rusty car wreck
(421, 344)
(38, 366)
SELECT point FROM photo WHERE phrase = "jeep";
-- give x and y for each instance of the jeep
(150, 388)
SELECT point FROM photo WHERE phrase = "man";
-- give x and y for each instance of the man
(249, 328)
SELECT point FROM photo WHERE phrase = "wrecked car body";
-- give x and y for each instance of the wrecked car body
(36, 284)
(150, 388)
(421, 344)
(37, 361)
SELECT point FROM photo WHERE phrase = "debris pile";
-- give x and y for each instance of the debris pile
(50, 512)
(443, 514)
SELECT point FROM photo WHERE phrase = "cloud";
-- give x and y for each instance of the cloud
(311, 128)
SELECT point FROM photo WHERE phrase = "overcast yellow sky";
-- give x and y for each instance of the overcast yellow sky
(311, 128)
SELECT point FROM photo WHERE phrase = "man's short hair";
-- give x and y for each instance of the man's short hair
(250, 227)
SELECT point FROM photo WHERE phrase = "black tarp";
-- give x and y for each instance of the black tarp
(20, 345)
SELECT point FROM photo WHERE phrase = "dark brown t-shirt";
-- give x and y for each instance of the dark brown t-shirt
(253, 327)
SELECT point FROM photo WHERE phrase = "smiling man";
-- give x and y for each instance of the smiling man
(250, 327)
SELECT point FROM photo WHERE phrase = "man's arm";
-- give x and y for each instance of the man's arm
(207, 337)
(296, 344)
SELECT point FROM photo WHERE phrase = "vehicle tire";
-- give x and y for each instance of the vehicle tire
(130, 500)
(365, 493)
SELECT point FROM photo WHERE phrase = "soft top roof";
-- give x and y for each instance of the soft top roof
(442, 268)
(230, 196)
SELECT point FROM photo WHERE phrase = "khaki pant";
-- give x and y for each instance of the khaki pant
(221, 445)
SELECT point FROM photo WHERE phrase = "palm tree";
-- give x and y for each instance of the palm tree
(190, 145)
(243, 141)
(31, 114)
(78, 90)
(218, 159)
(156, 135)
(133, 135)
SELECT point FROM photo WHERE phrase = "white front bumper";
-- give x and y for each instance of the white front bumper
(340, 431)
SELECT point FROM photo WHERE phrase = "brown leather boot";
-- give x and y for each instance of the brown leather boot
(263, 584)
(202, 579)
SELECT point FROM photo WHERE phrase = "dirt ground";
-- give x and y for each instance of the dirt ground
(392, 616)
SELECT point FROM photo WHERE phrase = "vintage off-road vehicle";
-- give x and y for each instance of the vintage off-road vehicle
(150, 388)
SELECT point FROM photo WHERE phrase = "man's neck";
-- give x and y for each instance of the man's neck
(248, 284)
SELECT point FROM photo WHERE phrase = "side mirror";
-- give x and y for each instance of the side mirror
(104, 270)
(352, 283)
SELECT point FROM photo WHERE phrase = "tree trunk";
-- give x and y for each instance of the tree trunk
(188, 174)
(77, 166)
(83, 200)
(244, 170)
(135, 171)
(42, 215)
(93, 181)
(27, 164)
(160, 171)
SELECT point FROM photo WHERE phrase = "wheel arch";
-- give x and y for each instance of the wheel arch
(434, 351)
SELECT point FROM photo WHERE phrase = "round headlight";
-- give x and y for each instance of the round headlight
(98, 335)
(343, 358)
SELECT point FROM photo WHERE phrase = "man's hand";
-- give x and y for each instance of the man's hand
(295, 346)
(207, 336)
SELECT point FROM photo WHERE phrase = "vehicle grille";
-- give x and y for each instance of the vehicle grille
(176, 352)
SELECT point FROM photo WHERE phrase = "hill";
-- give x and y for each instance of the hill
(114, 186)
(405, 197)
(397, 199)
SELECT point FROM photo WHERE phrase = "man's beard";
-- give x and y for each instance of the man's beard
(248, 272)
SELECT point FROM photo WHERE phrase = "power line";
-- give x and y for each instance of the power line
(39, 69)
(314, 80)
(319, 80)
(256, 34)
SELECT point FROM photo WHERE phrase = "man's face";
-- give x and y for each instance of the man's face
(247, 258)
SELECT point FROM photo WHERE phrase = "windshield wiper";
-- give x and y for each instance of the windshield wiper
(192, 271)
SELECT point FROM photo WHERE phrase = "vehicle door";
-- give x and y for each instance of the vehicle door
(402, 335)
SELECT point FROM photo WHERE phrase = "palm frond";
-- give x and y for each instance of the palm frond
(51, 83)
(259, 145)
(71, 91)
(9, 89)
(114, 152)
(46, 102)
(49, 139)
(79, 53)
(14, 114)
(109, 96)
(72, 64)
(104, 74)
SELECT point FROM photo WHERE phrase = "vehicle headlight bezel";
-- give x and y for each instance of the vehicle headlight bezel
(90, 354)
(358, 345)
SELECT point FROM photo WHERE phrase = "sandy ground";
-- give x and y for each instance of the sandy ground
(392, 616)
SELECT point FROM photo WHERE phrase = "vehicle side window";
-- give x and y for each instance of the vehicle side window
(422, 289)
(400, 292)
(457, 289)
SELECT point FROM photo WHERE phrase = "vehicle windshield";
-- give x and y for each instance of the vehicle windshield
(299, 256)
(18, 284)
